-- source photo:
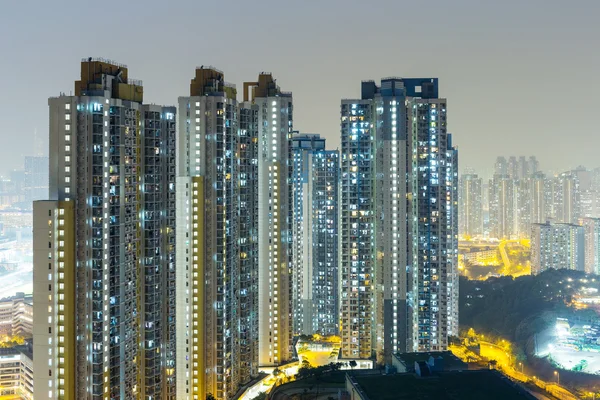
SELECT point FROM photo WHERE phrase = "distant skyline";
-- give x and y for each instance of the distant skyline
(520, 77)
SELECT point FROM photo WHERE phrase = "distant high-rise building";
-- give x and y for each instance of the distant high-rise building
(315, 269)
(217, 240)
(534, 165)
(591, 227)
(522, 208)
(538, 193)
(104, 244)
(501, 166)
(558, 246)
(399, 224)
(511, 197)
(470, 205)
(590, 203)
(513, 167)
(274, 121)
(502, 207)
(35, 185)
(566, 198)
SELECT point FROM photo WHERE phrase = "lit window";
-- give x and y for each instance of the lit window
(67, 127)
(67, 117)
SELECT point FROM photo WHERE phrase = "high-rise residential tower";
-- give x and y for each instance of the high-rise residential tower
(434, 226)
(104, 244)
(591, 227)
(357, 229)
(315, 233)
(538, 197)
(274, 121)
(502, 207)
(399, 225)
(558, 246)
(470, 205)
(216, 235)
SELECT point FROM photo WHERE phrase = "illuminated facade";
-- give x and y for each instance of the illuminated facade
(104, 244)
(558, 246)
(217, 211)
(433, 222)
(315, 227)
(502, 207)
(591, 227)
(470, 205)
(565, 195)
(274, 122)
(357, 224)
(539, 198)
(399, 221)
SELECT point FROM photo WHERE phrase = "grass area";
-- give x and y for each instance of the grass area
(465, 385)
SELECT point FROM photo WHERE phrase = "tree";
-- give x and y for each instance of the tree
(352, 364)
(209, 396)
(260, 396)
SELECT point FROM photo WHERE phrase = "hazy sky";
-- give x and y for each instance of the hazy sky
(521, 77)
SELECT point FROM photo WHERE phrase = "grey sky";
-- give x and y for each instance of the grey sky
(520, 76)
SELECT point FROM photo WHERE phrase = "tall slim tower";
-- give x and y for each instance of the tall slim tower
(315, 229)
(216, 316)
(433, 226)
(274, 117)
(104, 244)
(538, 193)
(591, 227)
(470, 205)
(357, 228)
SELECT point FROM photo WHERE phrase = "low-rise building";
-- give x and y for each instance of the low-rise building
(16, 316)
(16, 371)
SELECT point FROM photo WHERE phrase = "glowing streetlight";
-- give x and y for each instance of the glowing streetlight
(521, 365)
(557, 377)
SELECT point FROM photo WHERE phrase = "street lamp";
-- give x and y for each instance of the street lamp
(521, 365)
(557, 377)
